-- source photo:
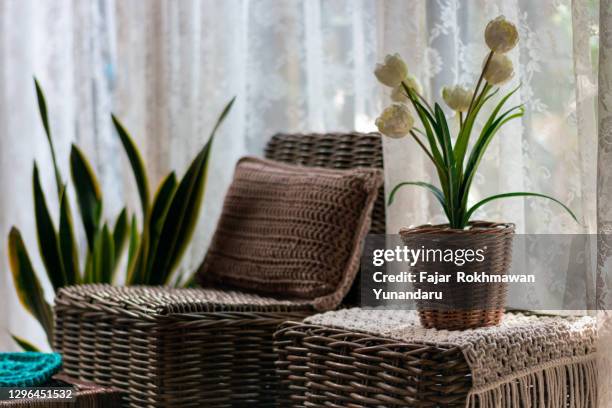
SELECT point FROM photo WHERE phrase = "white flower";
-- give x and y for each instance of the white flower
(501, 35)
(457, 97)
(399, 94)
(395, 121)
(392, 72)
(499, 70)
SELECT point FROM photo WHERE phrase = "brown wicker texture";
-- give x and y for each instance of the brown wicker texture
(335, 151)
(173, 347)
(200, 347)
(325, 367)
(463, 305)
(87, 395)
(288, 230)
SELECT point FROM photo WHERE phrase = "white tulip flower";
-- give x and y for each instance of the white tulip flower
(501, 35)
(395, 121)
(392, 72)
(457, 97)
(399, 94)
(499, 70)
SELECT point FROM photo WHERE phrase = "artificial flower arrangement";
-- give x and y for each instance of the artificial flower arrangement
(456, 160)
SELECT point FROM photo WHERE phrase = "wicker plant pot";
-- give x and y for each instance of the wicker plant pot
(463, 305)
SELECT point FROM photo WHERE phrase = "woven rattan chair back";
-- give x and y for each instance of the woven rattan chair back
(336, 151)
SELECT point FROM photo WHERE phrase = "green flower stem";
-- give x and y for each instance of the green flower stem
(484, 68)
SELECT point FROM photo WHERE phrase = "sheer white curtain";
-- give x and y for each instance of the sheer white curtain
(166, 68)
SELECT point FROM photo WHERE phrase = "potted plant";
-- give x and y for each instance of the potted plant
(456, 159)
(154, 249)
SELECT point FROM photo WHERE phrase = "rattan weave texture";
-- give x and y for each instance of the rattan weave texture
(464, 306)
(173, 347)
(204, 347)
(289, 230)
(326, 367)
(335, 151)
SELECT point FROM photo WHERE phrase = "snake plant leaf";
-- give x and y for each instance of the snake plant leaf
(24, 344)
(26, 282)
(182, 214)
(433, 189)
(47, 237)
(104, 255)
(42, 108)
(120, 234)
(516, 194)
(67, 241)
(134, 241)
(136, 163)
(161, 203)
(89, 272)
(88, 192)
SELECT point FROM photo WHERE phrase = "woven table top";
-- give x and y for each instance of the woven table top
(522, 345)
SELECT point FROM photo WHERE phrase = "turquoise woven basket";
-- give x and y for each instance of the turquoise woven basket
(28, 369)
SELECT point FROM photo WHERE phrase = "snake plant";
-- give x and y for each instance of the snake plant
(155, 245)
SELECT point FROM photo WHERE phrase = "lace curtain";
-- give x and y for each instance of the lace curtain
(166, 68)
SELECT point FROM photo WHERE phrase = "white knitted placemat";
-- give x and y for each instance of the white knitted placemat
(527, 359)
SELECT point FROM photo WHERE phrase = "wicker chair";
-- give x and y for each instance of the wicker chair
(196, 347)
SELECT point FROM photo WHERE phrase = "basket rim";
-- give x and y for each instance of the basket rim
(474, 227)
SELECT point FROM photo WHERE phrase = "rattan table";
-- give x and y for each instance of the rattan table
(357, 358)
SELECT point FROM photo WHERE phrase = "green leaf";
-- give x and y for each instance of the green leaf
(88, 192)
(435, 190)
(161, 204)
(134, 242)
(516, 194)
(47, 237)
(42, 108)
(67, 242)
(137, 164)
(465, 132)
(24, 344)
(89, 273)
(480, 148)
(29, 290)
(120, 234)
(106, 256)
(183, 211)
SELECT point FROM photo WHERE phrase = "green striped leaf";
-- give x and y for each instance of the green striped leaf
(67, 242)
(47, 237)
(89, 196)
(136, 163)
(42, 108)
(183, 211)
(161, 204)
(120, 235)
(24, 344)
(134, 243)
(29, 290)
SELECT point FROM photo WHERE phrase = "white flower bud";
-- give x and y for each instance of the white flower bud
(501, 35)
(499, 70)
(399, 93)
(392, 72)
(457, 97)
(395, 121)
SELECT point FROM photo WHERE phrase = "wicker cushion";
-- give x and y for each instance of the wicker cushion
(292, 231)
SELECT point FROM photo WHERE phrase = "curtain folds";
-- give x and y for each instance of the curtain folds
(166, 68)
